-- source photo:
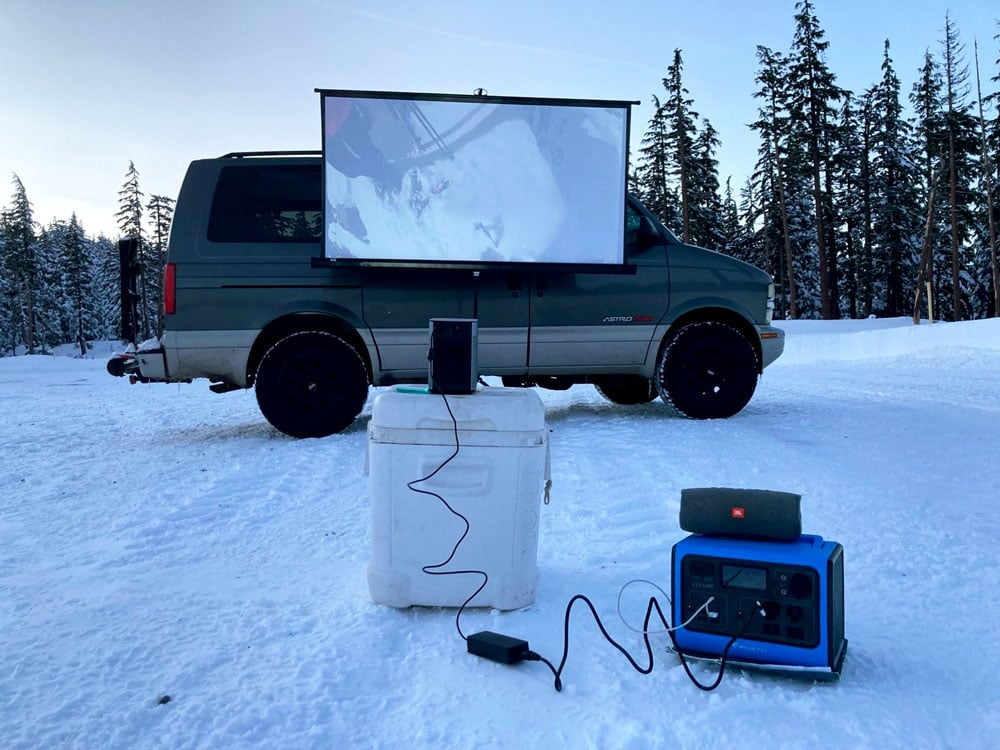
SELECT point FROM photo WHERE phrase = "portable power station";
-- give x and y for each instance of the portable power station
(783, 601)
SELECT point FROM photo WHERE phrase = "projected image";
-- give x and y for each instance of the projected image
(417, 180)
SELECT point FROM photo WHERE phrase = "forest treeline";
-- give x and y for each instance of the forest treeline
(858, 204)
(854, 206)
(59, 286)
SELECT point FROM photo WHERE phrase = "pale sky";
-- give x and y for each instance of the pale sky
(88, 85)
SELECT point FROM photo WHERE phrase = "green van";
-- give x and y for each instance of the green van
(248, 303)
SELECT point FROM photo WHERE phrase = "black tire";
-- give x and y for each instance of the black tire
(311, 384)
(626, 389)
(707, 371)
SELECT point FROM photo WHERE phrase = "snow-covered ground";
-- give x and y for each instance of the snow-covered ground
(164, 541)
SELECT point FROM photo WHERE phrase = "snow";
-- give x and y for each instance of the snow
(162, 540)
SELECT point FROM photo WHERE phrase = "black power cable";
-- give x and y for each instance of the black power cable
(653, 605)
(517, 650)
(435, 569)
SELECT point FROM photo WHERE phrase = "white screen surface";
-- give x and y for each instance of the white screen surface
(416, 179)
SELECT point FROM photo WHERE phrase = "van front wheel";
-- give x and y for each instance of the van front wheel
(707, 371)
(311, 384)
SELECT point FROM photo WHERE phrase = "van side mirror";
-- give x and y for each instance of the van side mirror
(649, 236)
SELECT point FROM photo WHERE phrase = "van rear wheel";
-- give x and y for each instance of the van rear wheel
(707, 371)
(311, 384)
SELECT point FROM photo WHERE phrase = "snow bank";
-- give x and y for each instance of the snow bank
(839, 340)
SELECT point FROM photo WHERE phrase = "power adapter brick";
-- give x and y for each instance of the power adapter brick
(497, 647)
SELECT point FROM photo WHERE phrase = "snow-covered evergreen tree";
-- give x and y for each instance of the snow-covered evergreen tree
(705, 205)
(850, 189)
(20, 266)
(813, 95)
(781, 218)
(736, 240)
(896, 208)
(105, 268)
(987, 261)
(652, 171)
(50, 301)
(78, 285)
(680, 141)
(130, 224)
(8, 296)
(961, 159)
(160, 212)
(927, 99)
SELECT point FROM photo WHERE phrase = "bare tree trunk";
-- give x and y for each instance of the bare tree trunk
(956, 290)
(988, 180)
(824, 278)
(79, 327)
(865, 265)
(926, 264)
(29, 317)
(682, 163)
(829, 224)
(993, 252)
(793, 311)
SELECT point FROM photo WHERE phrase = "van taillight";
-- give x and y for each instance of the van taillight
(170, 289)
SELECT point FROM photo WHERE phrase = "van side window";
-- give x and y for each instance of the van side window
(264, 203)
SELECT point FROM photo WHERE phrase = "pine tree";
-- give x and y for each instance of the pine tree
(652, 173)
(990, 139)
(849, 190)
(866, 174)
(752, 247)
(772, 183)
(680, 140)
(50, 301)
(20, 265)
(736, 241)
(705, 205)
(78, 283)
(129, 218)
(105, 270)
(8, 295)
(896, 222)
(984, 286)
(960, 158)
(926, 99)
(814, 91)
(161, 211)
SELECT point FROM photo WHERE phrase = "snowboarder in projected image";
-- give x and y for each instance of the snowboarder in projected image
(439, 180)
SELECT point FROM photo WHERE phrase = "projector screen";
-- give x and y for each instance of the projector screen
(473, 179)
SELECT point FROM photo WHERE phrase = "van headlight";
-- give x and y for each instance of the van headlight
(769, 310)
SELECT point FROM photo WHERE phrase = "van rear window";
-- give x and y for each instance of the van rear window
(268, 203)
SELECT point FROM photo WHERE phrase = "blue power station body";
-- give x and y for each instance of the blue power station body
(784, 600)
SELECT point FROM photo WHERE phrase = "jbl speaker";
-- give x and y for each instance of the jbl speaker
(751, 514)
(452, 357)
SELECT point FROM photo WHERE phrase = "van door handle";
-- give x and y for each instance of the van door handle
(514, 284)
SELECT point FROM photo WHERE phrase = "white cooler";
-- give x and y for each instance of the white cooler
(496, 481)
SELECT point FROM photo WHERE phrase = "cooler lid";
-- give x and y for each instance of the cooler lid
(492, 409)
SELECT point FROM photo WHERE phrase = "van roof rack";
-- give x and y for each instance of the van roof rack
(244, 154)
